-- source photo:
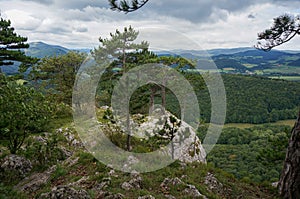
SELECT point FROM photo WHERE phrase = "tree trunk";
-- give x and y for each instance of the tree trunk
(163, 95)
(128, 141)
(289, 183)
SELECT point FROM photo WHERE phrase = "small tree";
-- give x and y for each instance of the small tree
(57, 75)
(118, 46)
(23, 110)
(10, 45)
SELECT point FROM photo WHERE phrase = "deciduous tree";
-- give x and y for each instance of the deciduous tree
(23, 111)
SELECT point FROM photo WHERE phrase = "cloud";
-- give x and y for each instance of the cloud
(23, 20)
(46, 2)
(251, 16)
(81, 29)
(79, 23)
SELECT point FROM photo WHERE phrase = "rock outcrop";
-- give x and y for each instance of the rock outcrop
(18, 165)
(35, 181)
(187, 146)
(190, 190)
(65, 192)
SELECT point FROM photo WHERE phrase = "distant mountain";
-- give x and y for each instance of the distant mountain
(40, 50)
(234, 60)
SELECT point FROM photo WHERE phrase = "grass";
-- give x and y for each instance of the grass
(283, 69)
(289, 78)
(248, 125)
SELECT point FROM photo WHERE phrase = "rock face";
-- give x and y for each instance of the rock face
(65, 192)
(215, 186)
(16, 164)
(187, 146)
(289, 184)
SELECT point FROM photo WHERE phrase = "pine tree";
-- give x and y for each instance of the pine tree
(118, 47)
(10, 45)
(125, 6)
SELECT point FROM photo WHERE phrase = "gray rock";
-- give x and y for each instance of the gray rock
(126, 186)
(109, 195)
(67, 153)
(193, 192)
(213, 184)
(16, 164)
(35, 181)
(187, 146)
(131, 160)
(134, 183)
(65, 192)
(105, 182)
(171, 181)
(170, 197)
(146, 197)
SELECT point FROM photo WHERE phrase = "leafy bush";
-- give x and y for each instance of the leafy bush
(23, 111)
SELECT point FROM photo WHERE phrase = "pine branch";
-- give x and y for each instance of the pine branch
(284, 28)
(125, 6)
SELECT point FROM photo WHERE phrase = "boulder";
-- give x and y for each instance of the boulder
(65, 192)
(193, 192)
(35, 181)
(187, 146)
(146, 197)
(15, 164)
(134, 183)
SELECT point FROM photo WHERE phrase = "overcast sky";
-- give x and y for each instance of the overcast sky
(211, 23)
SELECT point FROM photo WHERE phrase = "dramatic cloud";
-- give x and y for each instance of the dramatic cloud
(213, 24)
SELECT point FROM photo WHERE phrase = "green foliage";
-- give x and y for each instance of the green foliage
(11, 43)
(10, 192)
(23, 111)
(254, 154)
(45, 151)
(56, 75)
(60, 171)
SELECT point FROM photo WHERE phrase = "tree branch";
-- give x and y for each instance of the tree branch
(124, 6)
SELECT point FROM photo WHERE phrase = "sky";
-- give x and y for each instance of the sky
(209, 23)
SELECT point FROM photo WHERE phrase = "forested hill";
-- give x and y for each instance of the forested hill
(250, 99)
(257, 100)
